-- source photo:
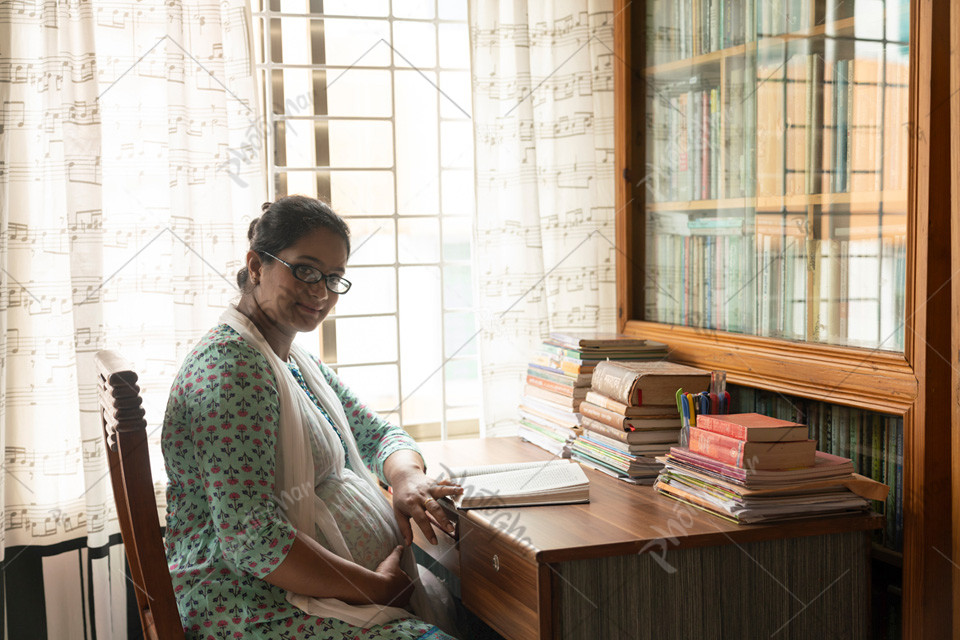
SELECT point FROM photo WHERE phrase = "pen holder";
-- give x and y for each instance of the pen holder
(715, 401)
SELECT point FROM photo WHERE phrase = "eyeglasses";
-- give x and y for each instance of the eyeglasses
(312, 275)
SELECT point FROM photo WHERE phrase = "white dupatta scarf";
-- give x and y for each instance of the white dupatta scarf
(295, 469)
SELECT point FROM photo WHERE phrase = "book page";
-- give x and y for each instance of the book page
(485, 469)
(542, 478)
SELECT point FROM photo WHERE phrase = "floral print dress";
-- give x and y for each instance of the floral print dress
(224, 531)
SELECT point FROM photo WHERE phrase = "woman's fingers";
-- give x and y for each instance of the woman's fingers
(403, 521)
(397, 585)
(435, 510)
(419, 516)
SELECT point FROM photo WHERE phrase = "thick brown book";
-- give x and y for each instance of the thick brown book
(752, 427)
(630, 437)
(627, 410)
(627, 423)
(641, 383)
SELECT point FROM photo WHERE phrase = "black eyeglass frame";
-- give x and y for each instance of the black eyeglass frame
(323, 276)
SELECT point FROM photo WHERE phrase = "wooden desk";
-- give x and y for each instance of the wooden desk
(634, 564)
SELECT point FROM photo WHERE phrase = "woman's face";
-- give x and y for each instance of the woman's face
(290, 304)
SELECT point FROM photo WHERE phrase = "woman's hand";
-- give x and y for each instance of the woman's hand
(395, 587)
(415, 495)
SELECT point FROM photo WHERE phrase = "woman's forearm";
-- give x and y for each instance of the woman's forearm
(312, 570)
(400, 462)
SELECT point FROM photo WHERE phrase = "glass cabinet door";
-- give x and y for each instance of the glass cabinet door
(776, 147)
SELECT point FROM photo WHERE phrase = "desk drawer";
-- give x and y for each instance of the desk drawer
(497, 583)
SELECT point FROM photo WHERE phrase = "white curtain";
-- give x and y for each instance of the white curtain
(543, 116)
(130, 164)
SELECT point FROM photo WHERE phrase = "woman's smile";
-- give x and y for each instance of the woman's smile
(308, 308)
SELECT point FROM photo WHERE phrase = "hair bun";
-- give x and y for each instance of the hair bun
(265, 206)
(252, 229)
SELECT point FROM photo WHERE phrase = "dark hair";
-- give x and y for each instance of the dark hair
(284, 222)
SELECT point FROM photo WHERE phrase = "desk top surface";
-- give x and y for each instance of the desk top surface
(620, 518)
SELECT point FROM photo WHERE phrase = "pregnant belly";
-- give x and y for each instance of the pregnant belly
(368, 531)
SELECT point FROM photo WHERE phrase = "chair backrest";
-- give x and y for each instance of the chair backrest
(125, 433)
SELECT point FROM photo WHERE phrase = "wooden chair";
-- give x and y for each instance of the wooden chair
(124, 430)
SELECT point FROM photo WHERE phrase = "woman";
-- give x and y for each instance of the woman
(275, 525)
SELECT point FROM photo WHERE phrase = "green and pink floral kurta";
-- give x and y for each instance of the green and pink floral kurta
(224, 530)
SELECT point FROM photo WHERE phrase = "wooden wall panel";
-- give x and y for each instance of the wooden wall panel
(955, 285)
(927, 603)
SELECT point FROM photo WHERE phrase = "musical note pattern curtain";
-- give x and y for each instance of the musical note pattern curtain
(131, 161)
(543, 118)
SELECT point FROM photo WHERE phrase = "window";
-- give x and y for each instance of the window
(368, 107)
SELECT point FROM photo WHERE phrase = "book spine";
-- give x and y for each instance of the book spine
(843, 430)
(563, 352)
(685, 294)
(549, 385)
(575, 369)
(607, 403)
(722, 427)
(704, 145)
(715, 447)
(609, 380)
(603, 439)
(602, 415)
(589, 424)
(898, 531)
(561, 402)
(554, 375)
(828, 428)
(855, 439)
(889, 479)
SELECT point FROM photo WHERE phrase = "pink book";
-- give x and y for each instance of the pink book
(752, 427)
(754, 455)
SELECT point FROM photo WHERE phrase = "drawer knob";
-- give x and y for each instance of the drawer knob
(496, 562)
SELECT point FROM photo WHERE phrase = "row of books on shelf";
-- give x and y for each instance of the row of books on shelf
(704, 272)
(686, 28)
(873, 441)
(684, 144)
(796, 126)
(831, 126)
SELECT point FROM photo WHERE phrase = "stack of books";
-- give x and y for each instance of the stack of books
(630, 416)
(750, 468)
(558, 380)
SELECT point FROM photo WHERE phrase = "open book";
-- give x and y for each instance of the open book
(521, 484)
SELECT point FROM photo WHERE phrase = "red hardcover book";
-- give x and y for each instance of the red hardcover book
(753, 455)
(752, 427)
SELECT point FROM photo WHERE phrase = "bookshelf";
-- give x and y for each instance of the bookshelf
(783, 214)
